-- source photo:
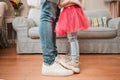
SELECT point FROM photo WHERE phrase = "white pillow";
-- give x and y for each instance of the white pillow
(34, 3)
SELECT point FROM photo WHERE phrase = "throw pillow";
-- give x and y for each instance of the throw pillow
(98, 21)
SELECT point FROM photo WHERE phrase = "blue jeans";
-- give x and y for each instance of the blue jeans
(48, 18)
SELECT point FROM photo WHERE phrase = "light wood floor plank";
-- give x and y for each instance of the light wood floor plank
(28, 67)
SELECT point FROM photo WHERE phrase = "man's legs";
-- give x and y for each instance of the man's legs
(49, 15)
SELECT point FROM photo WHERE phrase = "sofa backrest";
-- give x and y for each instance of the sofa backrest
(98, 13)
(34, 12)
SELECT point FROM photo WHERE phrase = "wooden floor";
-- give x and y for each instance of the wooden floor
(28, 67)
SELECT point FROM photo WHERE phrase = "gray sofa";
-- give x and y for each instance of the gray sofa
(94, 40)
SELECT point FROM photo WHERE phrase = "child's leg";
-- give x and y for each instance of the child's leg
(73, 63)
(74, 47)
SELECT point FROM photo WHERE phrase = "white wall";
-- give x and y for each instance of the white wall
(95, 4)
(89, 5)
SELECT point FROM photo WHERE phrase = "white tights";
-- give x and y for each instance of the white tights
(74, 46)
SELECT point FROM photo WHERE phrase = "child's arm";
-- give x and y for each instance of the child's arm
(82, 3)
(63, 3)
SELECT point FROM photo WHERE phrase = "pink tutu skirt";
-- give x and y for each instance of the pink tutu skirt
(71, 20)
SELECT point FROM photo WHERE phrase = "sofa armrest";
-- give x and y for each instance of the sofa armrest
(115, 23)
(22, 23)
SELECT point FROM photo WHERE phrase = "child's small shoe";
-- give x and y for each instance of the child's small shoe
(66, 62)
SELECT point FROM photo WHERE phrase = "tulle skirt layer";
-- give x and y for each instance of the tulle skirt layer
(71, 20)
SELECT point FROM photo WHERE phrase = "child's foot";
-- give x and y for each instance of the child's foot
(66, 62)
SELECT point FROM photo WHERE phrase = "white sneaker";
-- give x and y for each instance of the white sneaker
(55, 70)
(66, 62)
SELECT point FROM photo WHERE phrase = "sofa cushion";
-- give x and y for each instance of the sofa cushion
(34, 14)
(33, 32)
(91, 33)
(98, 33)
